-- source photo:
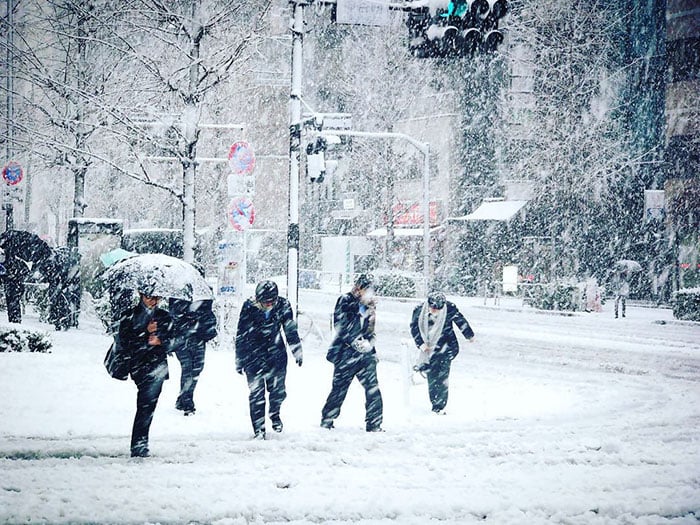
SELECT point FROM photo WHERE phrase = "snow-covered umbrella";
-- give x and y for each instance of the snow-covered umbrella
(627, 265)
(161, 275)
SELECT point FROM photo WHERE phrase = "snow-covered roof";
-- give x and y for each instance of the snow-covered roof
(493, 211)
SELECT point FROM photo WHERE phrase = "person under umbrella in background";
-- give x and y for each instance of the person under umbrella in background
(194, 324)
(432, 331)
(261, 352)
(145, 333)
(353, 354)
(24, 253)
(621, 286)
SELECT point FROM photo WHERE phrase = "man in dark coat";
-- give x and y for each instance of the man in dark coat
(145, 333)
(262, 354)
(434, 335)
(353, 354)
(63, 275)
(194, 324)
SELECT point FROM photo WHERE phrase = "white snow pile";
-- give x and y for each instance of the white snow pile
(584, 419)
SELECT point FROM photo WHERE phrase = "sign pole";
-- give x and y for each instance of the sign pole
(10, 78)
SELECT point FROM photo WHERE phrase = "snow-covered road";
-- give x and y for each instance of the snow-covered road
(551, 419)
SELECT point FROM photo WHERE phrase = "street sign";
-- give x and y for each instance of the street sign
(12, 173)
(329, 121)
(240, 213)
(241, 158)
(364, 12)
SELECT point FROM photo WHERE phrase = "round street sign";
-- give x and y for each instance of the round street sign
(240, 214)
(12, 173)
(241, 158)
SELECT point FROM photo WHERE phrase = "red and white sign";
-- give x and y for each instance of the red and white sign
(240, 213)
(241, 158)
(12, 173)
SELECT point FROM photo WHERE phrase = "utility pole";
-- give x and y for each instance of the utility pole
(295, 127)
(294, 154)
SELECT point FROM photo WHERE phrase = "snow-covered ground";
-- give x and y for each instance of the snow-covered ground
(579, 419)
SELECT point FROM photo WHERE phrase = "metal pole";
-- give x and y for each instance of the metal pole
(426, 217)
(294, 155)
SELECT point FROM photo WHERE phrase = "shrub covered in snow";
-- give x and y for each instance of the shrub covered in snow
(21, 340)
(555, 296)
(395, 284)
(686, 304)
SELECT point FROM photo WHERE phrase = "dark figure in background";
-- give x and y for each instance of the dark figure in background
(63, 275)
(23, 252)
(145, 332)
(353, 354)
(261, 352)
(194, 324)
(434, 335)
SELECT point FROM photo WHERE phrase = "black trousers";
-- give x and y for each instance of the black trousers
(191, 357)
(364, 367)
(149, 386)
(620, 299)
(438, 382)
(13, 299)
(269, 377)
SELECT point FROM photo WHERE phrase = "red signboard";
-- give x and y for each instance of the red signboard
(411, 213)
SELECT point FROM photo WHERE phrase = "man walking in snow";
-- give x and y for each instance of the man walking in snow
(261, 352)
(144, 333)
(353, 354)
(194, 324)
(434, 335)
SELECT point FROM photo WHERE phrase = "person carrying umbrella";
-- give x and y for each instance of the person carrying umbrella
(145, 333)
(261, 352)
(621, 286)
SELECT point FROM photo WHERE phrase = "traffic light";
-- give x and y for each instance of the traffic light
(316, 160)
(462, 29)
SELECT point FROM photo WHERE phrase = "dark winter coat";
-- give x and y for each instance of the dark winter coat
(447, 345)
(259, 342)
(193, 320)
(350, 325)
(133, 337)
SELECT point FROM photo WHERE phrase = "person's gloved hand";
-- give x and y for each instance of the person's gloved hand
(299, 359)
(362, 345)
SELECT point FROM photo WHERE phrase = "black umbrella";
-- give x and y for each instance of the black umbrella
(24, 251)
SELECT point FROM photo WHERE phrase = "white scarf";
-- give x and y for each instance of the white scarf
(431, 334)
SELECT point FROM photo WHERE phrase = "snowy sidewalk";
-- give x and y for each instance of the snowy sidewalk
(583, 420)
